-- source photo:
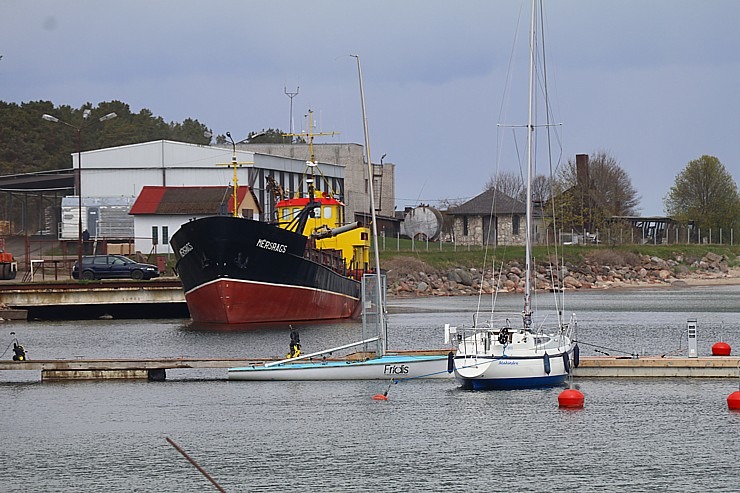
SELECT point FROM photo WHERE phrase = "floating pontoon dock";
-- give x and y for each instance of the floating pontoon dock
(155, 368)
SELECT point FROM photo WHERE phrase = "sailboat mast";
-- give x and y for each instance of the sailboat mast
(527, 313)
(381, 314)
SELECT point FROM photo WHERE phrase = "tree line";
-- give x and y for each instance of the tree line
(28, 143)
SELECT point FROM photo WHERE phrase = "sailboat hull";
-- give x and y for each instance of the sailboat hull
(388, 367)
(502, 373)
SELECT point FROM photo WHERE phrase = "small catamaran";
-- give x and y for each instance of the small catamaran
(492, 355)
(379, 364)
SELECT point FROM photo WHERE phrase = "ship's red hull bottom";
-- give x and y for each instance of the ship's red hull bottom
(229, 301)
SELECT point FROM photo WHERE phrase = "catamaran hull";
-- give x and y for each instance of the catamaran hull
(386, 368)
(496, 373)
(239, 271)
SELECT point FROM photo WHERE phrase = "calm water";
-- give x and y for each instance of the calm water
(633, 434)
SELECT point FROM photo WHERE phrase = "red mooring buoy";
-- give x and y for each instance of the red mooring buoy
(380, 397)
(733, 401)
(721, 349)
(571, 398)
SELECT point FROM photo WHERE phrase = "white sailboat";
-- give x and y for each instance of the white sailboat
(363, 365)
(492, 355)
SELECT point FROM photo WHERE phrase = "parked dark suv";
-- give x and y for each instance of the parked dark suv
(113, 266)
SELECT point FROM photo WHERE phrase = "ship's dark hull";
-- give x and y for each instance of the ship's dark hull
(236, 270)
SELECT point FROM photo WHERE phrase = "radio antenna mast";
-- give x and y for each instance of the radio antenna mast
(291, 95)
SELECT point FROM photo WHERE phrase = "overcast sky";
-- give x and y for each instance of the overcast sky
(656, 84)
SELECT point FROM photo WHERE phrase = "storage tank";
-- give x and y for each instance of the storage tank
(423, 222)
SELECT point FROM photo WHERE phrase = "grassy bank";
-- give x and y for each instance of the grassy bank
(446, 256)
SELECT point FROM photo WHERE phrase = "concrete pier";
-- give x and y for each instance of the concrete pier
(111, 369)
(90, 299)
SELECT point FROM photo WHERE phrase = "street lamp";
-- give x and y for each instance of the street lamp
(234, 164)
(78, 175)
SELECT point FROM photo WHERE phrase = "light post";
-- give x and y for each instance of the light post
(234, 164)
(78, 175)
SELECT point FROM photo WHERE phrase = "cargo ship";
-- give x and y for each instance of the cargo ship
(305, 265)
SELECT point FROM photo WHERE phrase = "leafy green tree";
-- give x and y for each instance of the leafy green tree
(190, 131)
(706, 193)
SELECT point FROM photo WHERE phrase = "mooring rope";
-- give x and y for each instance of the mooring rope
(597, 347)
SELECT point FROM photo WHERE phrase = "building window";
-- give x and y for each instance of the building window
(155, 235)
(465, 225)
(165, 235)
(515, 225)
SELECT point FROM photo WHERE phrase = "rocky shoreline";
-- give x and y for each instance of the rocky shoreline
(602, 270)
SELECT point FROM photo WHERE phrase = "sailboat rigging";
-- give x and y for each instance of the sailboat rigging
(491, 356)
(363, 365)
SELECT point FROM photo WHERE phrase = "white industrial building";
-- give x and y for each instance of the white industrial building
(114, 176)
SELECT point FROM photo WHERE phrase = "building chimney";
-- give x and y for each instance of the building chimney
(582, 169)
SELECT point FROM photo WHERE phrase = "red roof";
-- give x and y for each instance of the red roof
(186, 200)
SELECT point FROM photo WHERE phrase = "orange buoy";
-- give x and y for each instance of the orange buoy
(721, 349)
(571, 398)
(380, 397)
(733, 401)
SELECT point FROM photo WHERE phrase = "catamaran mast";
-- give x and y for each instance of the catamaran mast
(381, 315)
(527, 313)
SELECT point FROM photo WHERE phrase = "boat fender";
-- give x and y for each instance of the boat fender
(503, 336)
(576, 355)
(546, 361)
(450, 362)
(566, 362)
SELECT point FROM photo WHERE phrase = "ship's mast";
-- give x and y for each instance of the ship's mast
(311, 164)
(527, 313)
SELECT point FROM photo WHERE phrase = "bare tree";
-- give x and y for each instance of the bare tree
(602, 191)
(509, 183)
(609, 187)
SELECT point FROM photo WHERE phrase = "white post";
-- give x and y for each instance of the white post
(691, 333)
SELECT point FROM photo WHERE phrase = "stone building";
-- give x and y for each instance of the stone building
(492, 218)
